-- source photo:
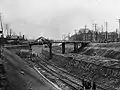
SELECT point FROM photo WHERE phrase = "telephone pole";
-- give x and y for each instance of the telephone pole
(95, 26)
(116, 34)
(102, 28)
(85, 32)
(1, 24)
(7, 28)
(119, 24)
(75, 35)
(68, 36)
(10, 32)
(20, 34)
(95, 32)
(119, 27)
(106, 24)
(1, 38)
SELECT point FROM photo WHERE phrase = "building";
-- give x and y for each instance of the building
(94, 36)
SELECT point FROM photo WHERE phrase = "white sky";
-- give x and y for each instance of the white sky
(52, 18)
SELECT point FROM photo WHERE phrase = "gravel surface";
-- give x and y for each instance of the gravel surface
(21, 76)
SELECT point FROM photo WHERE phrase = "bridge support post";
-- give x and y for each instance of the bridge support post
(50, 51)
(63, 48)
(75, 47)
(30, 47)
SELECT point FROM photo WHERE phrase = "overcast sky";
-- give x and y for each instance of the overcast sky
(52, 18)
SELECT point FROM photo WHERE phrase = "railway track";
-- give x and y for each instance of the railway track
(59, 75)
(68, 75)
(65, 80)
(65, 77)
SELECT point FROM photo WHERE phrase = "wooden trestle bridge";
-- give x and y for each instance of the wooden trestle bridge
(42, 41)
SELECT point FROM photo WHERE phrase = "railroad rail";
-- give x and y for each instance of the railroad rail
(57, 74)
(78, 78)
(68, 82)
(66, 77)
(103, 87)
(62, 75)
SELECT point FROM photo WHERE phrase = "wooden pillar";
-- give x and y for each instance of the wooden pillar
(50, 51)
(0, 47)
(82, 45)
(63, 48)
(30, 47)
(75, 47)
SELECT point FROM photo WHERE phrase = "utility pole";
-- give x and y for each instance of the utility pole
(101, 33)
(119, 24)
(95, 33)
(102, 28)
(20, 34)
(7, 29)
(85, 32)
(106, 24)
(1, 39)
(75, 35)
(10, 32)
(68, 36)
(1, 24)
(119, 27)
(95, 26)
(116, 34)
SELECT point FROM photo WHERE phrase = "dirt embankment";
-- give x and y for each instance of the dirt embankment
(103, 75)
(98, 62)
(108, 50)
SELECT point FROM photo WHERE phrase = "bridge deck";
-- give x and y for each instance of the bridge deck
(62, 41)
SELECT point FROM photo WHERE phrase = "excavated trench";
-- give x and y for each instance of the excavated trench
(99, 63)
